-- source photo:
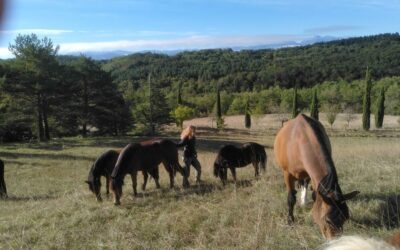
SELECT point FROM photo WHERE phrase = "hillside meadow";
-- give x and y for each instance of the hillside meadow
(50, 206)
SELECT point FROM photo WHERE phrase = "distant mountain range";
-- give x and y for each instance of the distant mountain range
(106, 55)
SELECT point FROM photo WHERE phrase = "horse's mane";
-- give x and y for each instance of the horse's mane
(125, 152)
(330, 182)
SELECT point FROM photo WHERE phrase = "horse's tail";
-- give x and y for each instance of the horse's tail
(216, 169)
(263, 159)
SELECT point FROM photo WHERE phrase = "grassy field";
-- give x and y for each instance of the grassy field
(50, 206)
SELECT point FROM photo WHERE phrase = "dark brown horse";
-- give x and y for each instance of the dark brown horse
(138, 157)
(302, 150)
(3, 188)
(103, 166)
(232, 157)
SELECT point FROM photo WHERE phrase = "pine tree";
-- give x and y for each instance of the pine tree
(180, 94)
(380, 109)
(314, 113)
(219, 112)
(367, 101)
(295, 108)
(247, 117)
(36, 77)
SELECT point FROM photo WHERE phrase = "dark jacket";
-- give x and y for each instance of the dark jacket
(189, 149)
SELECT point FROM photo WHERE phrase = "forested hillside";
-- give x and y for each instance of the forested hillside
(254, 70)
(45, 95)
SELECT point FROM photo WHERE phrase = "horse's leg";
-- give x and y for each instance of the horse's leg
(171, 175)
(3, 188)
(108, 184)
(291, 199)
(145, 177)
(233, 171)
(303, 197)
(134, 182)
(170, 169)
(256, 168)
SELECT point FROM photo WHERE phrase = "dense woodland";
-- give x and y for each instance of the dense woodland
(45, 95)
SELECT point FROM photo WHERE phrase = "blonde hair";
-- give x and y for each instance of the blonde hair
(188, 132)
(358, 243)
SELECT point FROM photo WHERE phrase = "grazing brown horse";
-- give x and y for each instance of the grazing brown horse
(138, 157)
(3, 188)
(232, 157)
(302, 150)
(103, 166)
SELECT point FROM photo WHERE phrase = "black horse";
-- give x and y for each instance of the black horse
(3, 188)
(145, 157)
(232, 157)
(103, 166)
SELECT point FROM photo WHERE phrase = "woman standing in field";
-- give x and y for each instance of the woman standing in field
(188, 140)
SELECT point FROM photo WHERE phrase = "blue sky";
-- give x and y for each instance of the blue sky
(136, 25)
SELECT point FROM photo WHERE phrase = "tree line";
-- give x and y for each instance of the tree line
(43, 96)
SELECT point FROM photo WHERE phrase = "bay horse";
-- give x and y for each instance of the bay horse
(138, 157)
(103, 166)
(3, 188)
(303, 151)
(232, 157)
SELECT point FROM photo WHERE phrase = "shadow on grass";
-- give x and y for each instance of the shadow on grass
(20, 163)
(387, 214)
(48, 156)
(202, 188)
(30, 198)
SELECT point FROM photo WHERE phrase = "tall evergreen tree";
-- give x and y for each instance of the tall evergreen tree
(219, 112)
(314, 113)
(180, 94)
(247, 116)
(380, 109)
(295, 107)
(367, 101)
(35, 77)
(220, 120)
(149, 106)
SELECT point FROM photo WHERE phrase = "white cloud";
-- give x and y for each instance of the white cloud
(186, 43)
(192, 42)
(331, 28)
(36, 31)
(5, 53)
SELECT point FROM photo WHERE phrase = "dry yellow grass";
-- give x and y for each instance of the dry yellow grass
(50, 206)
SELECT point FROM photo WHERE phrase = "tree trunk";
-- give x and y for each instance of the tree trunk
(45, 121)
(85, 108)
(40, 130)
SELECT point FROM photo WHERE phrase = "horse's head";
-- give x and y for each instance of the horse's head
(94, 187)
(330, 211)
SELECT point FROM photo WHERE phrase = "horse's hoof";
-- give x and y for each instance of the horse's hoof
(290, 220)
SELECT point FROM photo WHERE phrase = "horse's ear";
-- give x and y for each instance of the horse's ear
(350, 195)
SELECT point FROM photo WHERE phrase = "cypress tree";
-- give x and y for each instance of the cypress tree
(219, 112)
(180, 93)
(247, 117)
(380, 109)
(220, 120)
(367, 101)
(314, 113)
(295, 111)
